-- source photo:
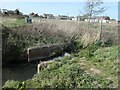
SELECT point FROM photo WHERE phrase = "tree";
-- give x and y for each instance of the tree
(17, 11)
(93, 8)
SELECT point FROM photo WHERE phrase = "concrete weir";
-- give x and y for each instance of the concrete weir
(44, 52)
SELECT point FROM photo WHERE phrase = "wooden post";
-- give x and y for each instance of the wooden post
(100, 29)
(101, 25)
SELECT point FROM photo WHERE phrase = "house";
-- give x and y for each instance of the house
(78, 18)
(10, 12)
(92, 20)
(71, 17)
(74, 18)
(4, 11)
(104, 19)
(63, 17)
(48, 16)
(119, 22)
(20, 13)
(113, 20)
(41, 16)
(57, 17)
(34, 15)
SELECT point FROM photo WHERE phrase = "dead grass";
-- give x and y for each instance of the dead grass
(80, 29)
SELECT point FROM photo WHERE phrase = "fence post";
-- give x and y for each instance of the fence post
(101, 25)
(100, 29)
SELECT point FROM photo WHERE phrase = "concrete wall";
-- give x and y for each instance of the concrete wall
(44, 52)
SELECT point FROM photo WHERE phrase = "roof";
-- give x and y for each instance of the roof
(48, 14)
(11, 12)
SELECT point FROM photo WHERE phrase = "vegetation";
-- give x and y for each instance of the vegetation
(18, 38)
(75, 72)
(7, 22)
(91, 66)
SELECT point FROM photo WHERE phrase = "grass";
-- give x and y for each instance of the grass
(105, 52)
(14, 22)
(105, 61)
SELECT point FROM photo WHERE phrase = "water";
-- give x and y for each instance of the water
(20, 72)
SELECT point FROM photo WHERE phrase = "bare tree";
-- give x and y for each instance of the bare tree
(93, 8)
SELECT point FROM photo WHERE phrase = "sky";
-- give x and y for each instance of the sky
(58, 8)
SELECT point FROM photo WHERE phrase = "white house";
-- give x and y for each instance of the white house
(91, 20)
(104, 19)
(77, 18)
(74, 18)
(48, 16)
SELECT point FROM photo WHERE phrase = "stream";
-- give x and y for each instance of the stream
(18, 72)
(22, 71)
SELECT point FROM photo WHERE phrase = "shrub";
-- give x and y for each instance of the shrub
(17, 39)
(88, 52)
(13, 45)
(55, 65)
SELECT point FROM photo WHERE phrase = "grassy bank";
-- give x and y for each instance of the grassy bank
(92, 64)
(78, 72)
(75, 72)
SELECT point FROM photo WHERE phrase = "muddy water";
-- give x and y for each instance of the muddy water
(18, 72)
(22, 71)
